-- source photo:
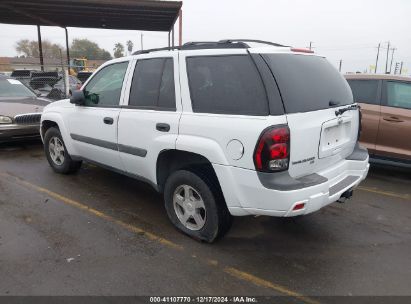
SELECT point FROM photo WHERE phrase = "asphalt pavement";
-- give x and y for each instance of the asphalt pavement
(101, 233)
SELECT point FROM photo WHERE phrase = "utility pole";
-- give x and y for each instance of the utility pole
(386, 61)
(310, 47)
(378, 54)
(401, 68)
(339, 69)
(392, 57)
(40, 48)
(141, 39)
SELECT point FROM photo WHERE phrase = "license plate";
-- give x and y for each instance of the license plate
(334, 137)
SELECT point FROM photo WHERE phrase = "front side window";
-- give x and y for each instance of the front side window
(226, 85)
(153, 85)
(364, 91)
(399, 94)
(104, 89)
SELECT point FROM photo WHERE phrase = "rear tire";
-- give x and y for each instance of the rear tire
(56, 153)
(195, 205)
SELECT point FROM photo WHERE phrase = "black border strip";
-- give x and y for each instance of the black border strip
(132, 150)
(110, 145)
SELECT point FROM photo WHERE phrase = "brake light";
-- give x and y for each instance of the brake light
(299, 50)
(272, 152)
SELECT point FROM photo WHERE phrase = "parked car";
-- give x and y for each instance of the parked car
(386, 116)
(83, 76)
(59, 89)
(212, 129)
(23, 75)
(20, 110)
(74, 84)
(44, 81)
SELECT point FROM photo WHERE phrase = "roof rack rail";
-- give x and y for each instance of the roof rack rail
(253, 40)
(171, 48)
(193, 45)
(196, 45)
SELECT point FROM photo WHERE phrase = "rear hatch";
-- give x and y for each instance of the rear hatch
(312, 91)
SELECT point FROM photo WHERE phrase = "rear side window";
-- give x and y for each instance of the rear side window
(364, 91)
(153, 85)
(398, 94)
(308, 83)
(226, 85)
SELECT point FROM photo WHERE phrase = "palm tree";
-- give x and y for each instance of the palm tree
(118, 50)
(130, 46)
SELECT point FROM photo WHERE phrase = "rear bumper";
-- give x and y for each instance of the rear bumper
(245, 194)
(17, 132)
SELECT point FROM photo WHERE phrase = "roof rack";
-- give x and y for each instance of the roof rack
(171, 48)
(253, 40)
(222, 44)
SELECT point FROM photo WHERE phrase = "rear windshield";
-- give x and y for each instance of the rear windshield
(308, 83)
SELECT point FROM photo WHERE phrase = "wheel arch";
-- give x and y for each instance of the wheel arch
(52, 119)
(169, 161)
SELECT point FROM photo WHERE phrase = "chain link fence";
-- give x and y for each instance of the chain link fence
(55, 79)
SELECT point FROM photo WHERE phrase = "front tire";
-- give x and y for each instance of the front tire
(56, 153)
(195, 205)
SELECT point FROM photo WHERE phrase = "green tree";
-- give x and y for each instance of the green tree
(118, 50)
(130, 46)
(30, 48)
(88, 49)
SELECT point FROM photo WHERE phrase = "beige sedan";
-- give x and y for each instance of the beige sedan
(20, 111)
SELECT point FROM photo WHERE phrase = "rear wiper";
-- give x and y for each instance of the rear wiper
(349, 108)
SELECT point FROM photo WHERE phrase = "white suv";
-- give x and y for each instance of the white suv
(220, 128)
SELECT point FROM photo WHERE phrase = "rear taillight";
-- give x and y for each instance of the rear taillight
(272, 152)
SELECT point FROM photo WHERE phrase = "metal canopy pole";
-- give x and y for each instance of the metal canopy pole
(169, 38)
(40, 48)
(67, 49)
(180, 28)
(172, 37)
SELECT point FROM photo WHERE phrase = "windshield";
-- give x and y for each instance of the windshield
(308, 83)
(14, 88)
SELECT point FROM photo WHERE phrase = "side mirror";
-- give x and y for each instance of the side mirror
(78, 98)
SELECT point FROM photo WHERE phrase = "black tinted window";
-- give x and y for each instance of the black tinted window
(166, 98)
(226, 84)
(153, 84)
(308, 83)
(364, 91)
(104, 89)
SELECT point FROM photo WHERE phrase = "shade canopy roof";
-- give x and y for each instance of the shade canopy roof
(107, 14)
